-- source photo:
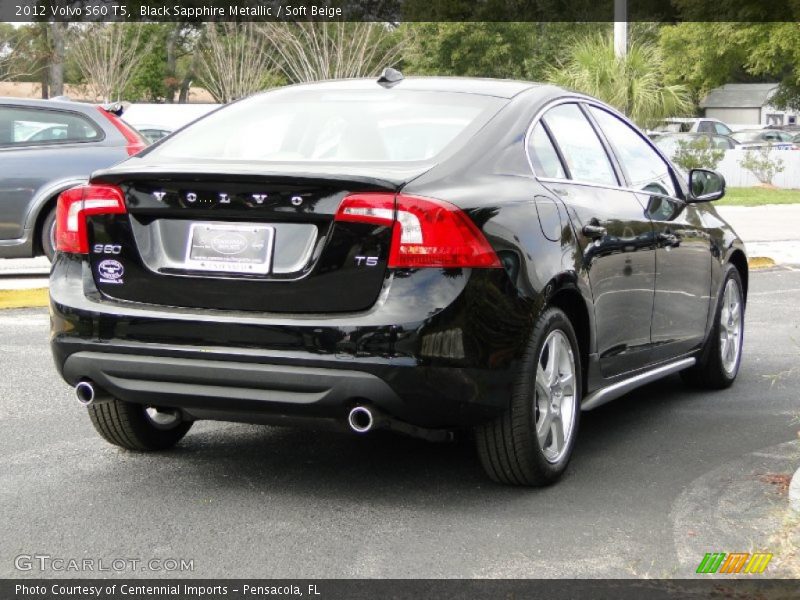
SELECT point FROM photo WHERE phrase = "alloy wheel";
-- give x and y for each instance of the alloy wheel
(52, 235)
(730, 327)
(554, 397)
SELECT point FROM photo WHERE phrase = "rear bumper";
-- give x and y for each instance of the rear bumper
(275, 368)
(228, 390)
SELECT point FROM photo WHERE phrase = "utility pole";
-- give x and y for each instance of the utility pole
(620, 28)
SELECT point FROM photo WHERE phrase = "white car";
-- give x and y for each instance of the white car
(151, 132)
(691, 125)
(758, 138)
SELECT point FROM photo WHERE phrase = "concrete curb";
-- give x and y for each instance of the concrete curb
(794, 492)
(760, 262)
(24, 298)
(739, 504)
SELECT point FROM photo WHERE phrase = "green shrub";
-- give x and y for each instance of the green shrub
(759, 162)
(697, 153)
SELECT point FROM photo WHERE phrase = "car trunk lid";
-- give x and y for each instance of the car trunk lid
(237, 239)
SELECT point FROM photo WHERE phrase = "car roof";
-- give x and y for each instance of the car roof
(690, 119)
(41, 103)
(501, 88)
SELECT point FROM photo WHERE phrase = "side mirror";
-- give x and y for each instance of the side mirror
(705, 185)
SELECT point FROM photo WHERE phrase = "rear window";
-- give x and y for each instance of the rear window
(543, 155)
(33, 126)
(304, 125)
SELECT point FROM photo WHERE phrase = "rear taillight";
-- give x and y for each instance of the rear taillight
(75, 204)
(377, 208)
(426, 232)
(136, 143)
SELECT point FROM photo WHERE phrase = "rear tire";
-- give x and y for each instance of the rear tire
(128, 426)
(719, 361)
(521, 447)
(47, 235)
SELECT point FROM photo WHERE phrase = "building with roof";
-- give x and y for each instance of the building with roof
(746, 104)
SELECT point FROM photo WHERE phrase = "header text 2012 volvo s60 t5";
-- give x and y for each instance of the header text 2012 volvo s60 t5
(425, 255)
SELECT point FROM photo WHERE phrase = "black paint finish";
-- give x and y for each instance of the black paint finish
(637, 283)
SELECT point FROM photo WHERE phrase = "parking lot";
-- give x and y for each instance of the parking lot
(659, 477)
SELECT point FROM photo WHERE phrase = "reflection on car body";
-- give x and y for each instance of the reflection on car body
(526, 255)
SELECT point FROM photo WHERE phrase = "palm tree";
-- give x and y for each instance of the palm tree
(633, 84)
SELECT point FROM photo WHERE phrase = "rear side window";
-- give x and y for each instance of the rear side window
(645, 169)
(581, 148)
(722, 129)
(33, 126)
(328, 125)
(543, 155)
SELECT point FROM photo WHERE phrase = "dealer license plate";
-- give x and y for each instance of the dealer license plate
(229, 248)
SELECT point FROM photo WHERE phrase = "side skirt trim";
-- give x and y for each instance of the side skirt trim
(612, 392)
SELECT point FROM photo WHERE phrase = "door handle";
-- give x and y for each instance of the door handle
(594, 231)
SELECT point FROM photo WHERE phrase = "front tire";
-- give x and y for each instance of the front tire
(719, 361)
(129, 426)
(532, 442)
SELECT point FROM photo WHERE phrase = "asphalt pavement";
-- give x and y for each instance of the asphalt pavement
(767, 231)
(652, 476)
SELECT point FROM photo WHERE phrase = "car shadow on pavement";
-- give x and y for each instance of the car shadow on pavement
(380, 467)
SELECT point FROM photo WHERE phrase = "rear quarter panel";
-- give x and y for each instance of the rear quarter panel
(529, 229)
(31, 177)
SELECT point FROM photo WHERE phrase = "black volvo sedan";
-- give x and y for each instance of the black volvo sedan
(424, 255)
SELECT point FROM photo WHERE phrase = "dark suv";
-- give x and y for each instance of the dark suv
(426, 255)
(46, 147)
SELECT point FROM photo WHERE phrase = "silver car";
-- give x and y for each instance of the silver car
(46, 147)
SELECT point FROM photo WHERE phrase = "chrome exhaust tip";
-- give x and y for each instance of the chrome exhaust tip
(360, 419)
(85, 393)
